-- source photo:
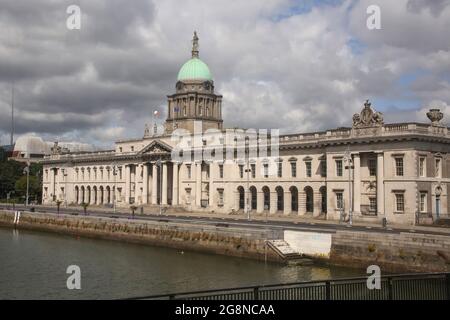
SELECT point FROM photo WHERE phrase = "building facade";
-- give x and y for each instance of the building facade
(368, 172)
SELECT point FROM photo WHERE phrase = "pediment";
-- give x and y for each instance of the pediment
(156, 147)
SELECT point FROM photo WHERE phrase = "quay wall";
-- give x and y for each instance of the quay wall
(392, 252)
(245, 243)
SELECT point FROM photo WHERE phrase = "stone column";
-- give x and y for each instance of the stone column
(380, 184)
(52, 183)
(273, 202)
(127, 183)
(137, 187)
(175, 184)
(317, 197)
(287, 206)
(198, 184)
(301, 202)
(164, 184)
(99, 198)
(356, 184)
(155, 184)
(145, 184)
(259, 201)
(212, 172)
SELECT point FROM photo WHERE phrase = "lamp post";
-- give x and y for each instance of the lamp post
(65, 187)
(26, 171)
(348, 160)
(247, 170)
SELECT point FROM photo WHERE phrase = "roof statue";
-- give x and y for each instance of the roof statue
(146, 131)
(368, 117)
(195, 45)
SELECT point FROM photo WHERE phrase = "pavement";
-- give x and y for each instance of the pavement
(272, 221)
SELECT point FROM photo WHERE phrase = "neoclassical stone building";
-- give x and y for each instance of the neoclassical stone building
(371, 171)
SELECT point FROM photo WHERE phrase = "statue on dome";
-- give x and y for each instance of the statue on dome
(195, 45)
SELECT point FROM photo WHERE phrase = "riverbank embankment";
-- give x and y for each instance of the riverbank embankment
(392, 252)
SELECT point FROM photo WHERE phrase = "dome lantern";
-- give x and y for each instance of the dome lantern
(194, 69)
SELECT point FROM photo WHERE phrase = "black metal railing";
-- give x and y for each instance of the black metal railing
(428, 286)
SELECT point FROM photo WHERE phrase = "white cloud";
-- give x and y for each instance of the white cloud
(276, 68)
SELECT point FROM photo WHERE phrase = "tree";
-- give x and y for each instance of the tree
(85, 206)
(10, 172)
(33, 190)
(58, 205)
(133, 209)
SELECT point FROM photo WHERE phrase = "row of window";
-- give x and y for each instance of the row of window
(399, 202)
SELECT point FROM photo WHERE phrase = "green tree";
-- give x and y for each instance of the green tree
(10, 172)
(34, 187)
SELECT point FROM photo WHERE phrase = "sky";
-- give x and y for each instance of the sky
(298, 66)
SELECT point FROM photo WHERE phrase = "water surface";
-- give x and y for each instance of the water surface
(33, 266)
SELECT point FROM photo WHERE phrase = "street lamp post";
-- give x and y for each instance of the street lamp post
(247, 170)
(65, 187)
(26, 171)
(348, 159)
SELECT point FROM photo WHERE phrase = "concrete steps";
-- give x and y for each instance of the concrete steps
(284, 250)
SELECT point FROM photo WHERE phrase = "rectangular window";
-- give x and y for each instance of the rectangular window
(220, 200)
(339, 200)
(253, 168)
(221, 171)
(323, 168)
(423, 202)
(294, 169)
(372, 167)
(339, 168)
(399, 202)
(241, 171)
(280, 169)
(373, 204)
(308, 169)
(422, 165)
(266, 170)
(189, 171)
(399, 167)
(132, 148)
(438, 168)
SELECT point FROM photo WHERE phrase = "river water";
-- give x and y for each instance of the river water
(33, 266)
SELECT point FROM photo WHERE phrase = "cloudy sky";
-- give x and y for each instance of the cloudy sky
(301, 65)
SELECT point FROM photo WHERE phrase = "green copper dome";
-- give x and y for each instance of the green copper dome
(194, 69)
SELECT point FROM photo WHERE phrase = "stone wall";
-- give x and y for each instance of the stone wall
(237, 242)
(393, 252)
(403, 252)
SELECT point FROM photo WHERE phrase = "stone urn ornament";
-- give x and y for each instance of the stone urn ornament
(435, 116)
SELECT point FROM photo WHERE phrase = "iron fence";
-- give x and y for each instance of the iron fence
(429, 286)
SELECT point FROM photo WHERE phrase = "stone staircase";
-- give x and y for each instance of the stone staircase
(284, 250)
